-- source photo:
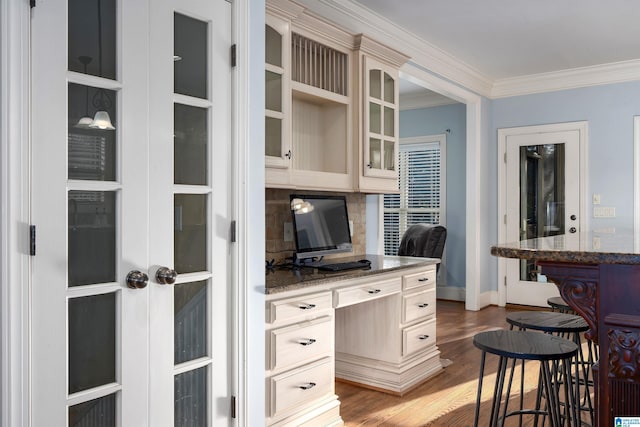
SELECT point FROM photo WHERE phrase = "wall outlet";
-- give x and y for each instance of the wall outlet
(596, 243)
(596, 199)
(288, 232)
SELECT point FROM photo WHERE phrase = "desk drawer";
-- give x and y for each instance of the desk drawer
(301, 307)
(299, 386)
(418, 337)
(419, 304)
(366, 292)
(415, 280)
(301, 342)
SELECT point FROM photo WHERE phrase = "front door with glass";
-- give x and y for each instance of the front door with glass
(130, 191)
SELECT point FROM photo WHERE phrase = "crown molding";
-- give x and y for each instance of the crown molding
(284, 8)
(374, 48)
(357, 19)
(415, 101)
(616, 72)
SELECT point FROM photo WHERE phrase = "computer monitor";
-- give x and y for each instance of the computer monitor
(320, 225)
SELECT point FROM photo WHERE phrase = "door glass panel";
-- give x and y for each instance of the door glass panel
(389, 122)
(190, 145)
(273, 50)
(375, 84)
(190, 321)
(92, 237)
(92, 37)
(92, 341)
(374, 117)
(190, 232)
(375, 153)
(273, 137)
(91, 150)
(542, 197)
(99, 412)
(190, 56)
(190, 394)
(389, 158)
(273, 96)
(389, 89)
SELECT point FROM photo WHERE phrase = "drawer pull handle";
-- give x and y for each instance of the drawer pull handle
(424, 279)
(307, 341)
(423, 305)
(374, 291)
(423, 337)
(308, 386)
(306, 306)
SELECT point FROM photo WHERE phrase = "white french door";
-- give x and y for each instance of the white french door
(130, 289)
(542, 188)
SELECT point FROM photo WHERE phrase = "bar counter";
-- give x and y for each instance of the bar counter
(598, 275)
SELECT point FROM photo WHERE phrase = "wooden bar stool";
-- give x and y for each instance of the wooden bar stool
(554, 355)
(571, 327)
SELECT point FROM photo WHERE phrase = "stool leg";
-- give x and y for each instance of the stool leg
(497, 391)
(478, 397)
(550, 395)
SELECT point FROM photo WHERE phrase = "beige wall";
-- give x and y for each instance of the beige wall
(277, 212)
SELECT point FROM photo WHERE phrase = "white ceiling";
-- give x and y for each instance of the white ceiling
(510, 38)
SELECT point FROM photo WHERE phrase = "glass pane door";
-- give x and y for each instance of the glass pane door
(542, 196)
(190, 209)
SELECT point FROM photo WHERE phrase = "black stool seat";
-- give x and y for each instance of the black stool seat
(525, 345)
(557, 303)
(547, 321)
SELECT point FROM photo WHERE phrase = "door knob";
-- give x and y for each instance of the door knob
(166, 276)
(572, 230)
(137, 279)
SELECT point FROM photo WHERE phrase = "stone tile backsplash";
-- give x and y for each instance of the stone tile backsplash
(278, 212)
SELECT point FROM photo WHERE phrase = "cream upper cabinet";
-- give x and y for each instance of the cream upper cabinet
(308, 114)
(379, 120)
(331, 105)
(277, 100)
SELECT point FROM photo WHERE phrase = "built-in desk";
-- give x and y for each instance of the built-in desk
(372, 326)
(598, 275)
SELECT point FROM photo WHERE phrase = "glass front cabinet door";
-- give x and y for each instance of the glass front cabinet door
(277, 146)
(380, 133)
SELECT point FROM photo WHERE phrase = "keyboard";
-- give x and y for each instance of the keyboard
(340, 266)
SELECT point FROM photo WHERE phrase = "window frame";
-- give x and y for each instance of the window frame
(439, 139)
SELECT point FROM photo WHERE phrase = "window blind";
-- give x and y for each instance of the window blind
(419, 198)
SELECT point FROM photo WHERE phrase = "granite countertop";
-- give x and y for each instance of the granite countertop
(588, 248)
(281, 279)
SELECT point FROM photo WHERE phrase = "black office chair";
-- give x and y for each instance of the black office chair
(423, 240)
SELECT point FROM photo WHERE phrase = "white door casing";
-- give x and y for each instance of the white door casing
(574, 138)
(143, 216)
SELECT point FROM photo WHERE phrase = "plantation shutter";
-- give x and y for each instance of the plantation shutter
(419, 198)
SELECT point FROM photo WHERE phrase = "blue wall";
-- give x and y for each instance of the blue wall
(609, 110)
(434, 121)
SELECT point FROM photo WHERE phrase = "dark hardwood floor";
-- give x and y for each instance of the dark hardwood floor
(447, 399)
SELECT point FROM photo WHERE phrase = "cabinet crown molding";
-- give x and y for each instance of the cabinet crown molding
(378, 50)
(284, 9)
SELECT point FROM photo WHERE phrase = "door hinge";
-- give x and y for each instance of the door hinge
(505, 280)
(32, 240)
(505, 157)
(233, 407)
(232, 233)
(505, 219)
(32, 3)
(233, 55)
